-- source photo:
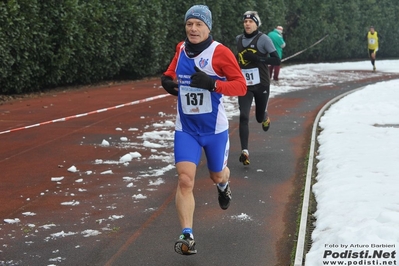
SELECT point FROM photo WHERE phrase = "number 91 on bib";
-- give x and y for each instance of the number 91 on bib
(251, 76)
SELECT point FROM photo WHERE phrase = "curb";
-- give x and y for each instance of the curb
(302, 232)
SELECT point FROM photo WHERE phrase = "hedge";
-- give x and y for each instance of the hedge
(53, 43)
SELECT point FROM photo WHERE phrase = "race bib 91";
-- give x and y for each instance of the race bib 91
(251, 76)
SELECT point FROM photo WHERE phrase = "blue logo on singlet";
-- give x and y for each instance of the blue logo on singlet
(203, 62)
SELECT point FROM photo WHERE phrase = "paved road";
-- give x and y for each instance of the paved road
(110, 212)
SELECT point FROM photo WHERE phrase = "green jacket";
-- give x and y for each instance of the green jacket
(278, 41)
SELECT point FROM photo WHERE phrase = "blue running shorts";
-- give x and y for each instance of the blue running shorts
(188, 148)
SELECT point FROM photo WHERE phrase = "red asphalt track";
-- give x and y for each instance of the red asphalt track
(124, 214)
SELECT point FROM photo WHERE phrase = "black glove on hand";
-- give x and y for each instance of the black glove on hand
(248, 56)
(201, 80)
(169, 85)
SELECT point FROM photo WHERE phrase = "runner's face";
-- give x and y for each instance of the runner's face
(249, 26)
(372, 30)
(196, 30)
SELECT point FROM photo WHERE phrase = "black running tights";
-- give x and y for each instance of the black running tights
(261, 95)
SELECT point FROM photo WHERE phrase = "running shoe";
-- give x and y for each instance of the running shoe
(224, 197)
(244, 158)
(185, 245)
(266, 124)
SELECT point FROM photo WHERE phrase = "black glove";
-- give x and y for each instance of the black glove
(248, 56)
(201, 80)
(169, 85)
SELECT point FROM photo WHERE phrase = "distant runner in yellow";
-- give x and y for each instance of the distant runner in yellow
(372, 42)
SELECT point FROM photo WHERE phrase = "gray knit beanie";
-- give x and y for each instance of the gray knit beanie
(200, 12)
